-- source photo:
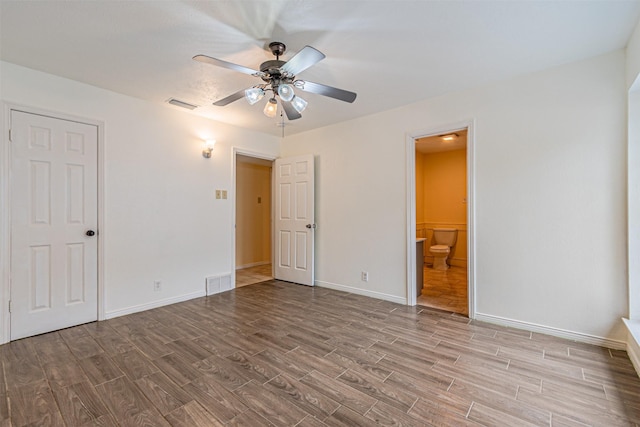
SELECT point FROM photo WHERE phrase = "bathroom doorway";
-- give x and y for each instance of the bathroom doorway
(253, 224)
(441, 204)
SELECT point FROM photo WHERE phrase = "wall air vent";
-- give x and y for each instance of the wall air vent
(182, 104)
(217, 284)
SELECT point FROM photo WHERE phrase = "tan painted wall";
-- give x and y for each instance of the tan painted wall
(253, 214)
(441, 193)
(420, 188)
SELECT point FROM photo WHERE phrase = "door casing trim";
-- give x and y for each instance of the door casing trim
(411, 207)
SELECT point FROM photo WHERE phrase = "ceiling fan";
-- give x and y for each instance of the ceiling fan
(280, 78)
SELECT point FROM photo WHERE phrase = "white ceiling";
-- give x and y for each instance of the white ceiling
(391, 53)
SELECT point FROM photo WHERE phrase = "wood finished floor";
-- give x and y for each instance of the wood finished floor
(281, 354)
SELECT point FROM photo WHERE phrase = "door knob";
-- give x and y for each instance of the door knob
(90, 233)
(311, 226)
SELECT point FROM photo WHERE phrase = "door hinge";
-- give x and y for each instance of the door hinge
(9, 306)
(10, 136)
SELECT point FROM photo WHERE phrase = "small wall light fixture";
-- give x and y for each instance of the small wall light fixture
(207, 148)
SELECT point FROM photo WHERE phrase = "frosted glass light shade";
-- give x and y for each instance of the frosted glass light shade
(207, 148)
(286, 92)
(271, 108)
(299, 104)
(253, 94)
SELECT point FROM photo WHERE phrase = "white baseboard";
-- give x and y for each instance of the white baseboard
(153, 304)
(556, 332)
(633, 342)
(359, 291)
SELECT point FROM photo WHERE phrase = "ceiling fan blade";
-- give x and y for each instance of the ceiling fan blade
(302, 60)
(230, 65)
(292, 113)
(332, 92)
(229, 99)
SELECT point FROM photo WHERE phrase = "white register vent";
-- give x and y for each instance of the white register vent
(217, 284)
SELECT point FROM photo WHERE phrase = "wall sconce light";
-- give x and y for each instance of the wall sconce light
(208, 148)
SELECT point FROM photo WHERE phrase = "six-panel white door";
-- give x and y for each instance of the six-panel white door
(294, 225)
(53, 212)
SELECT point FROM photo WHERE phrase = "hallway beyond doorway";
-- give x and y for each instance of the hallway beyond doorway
(253, 275)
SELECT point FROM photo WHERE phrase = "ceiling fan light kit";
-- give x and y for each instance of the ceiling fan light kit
(280, 78)
(299, 104)
(253, 94)
(285, 91)
(271, 108)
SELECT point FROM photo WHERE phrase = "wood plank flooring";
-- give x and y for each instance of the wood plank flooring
(279, 354)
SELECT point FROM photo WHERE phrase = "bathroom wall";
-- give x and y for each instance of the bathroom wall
(419, 191)
(253, 214)
(441, 193)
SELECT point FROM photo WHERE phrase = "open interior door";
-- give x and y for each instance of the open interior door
(294, 220)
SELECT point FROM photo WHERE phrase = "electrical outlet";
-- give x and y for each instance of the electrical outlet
(364, 276)
(157, 285)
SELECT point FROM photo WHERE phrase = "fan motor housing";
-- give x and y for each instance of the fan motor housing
(271, 69)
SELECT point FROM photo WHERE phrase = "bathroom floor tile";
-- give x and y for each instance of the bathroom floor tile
(446, 290)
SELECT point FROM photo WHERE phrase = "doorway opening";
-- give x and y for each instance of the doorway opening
(440, 219)
(253, 220)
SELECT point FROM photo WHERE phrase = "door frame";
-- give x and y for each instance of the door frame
(5, 211)
(235, 151)
(410, 147)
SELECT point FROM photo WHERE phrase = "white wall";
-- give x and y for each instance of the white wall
(633, 57)
(162, 221)
(550, 200)
(633, 204)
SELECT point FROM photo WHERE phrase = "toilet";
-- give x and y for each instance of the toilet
(443, 240)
